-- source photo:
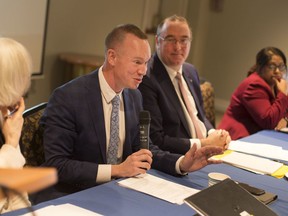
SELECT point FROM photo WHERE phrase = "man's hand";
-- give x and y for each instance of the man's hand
(137, 163)
(219, 138)
(197, 159)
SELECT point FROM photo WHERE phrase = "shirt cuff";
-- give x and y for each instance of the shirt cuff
(196, 142)
(211, 131)
(11, 157)
(177, 166)
(104, 173)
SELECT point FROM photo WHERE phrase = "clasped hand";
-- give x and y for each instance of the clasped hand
(219, 138)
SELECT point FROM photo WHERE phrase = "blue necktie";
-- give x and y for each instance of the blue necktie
(114, 132)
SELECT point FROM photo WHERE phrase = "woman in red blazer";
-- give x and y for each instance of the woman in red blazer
(260, 101)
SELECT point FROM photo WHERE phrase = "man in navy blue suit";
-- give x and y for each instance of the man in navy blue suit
(77, 122)
(172, 128)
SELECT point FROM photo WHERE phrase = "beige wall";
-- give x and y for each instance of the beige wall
(223, 48)
(79, 26)
(226, 43)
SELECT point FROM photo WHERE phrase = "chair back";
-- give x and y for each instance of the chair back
(208, 96)
(31, 142)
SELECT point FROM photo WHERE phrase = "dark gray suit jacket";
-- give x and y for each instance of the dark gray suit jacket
(74, 137)
(169, 128)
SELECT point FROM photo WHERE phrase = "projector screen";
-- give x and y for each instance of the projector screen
(25, 21)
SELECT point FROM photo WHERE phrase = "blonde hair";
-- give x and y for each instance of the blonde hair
(15, 72)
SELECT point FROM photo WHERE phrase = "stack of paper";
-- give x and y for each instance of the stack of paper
(160, 188)
(252, 163)
(263, 150)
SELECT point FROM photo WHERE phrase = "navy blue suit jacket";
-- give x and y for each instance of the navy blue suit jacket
(75, 136)
(169, 128)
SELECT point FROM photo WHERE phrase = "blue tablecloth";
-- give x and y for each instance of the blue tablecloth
(112, 199)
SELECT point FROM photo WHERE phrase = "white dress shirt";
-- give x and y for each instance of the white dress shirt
(194, 140)
(104, 170)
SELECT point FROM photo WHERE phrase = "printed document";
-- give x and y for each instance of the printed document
(160, 188)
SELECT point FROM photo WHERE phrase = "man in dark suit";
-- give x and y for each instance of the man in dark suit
(172, 127)
(77, 122)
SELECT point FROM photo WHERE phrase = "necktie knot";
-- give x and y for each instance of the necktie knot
(178, 76)
(116, 101)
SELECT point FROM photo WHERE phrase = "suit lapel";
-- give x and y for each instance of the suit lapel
(129, 111)
(168, 88)
(96, 111)
(189, 80)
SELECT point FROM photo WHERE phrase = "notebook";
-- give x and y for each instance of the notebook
(227, 198)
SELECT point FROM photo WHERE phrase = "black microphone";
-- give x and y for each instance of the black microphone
(144, 119)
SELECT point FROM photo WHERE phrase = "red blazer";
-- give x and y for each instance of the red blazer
(253, 108)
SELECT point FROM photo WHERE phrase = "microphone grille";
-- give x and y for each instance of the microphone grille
(144, 117)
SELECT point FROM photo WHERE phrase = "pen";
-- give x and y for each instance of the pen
(11, 113)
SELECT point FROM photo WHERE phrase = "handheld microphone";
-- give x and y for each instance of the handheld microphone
(144, 119)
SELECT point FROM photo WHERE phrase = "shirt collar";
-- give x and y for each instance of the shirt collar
(107, 92)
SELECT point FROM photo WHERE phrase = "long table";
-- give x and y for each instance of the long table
(112, 199)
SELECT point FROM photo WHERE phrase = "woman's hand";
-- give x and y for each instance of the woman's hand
(12, 125)
(281, 124)
(282, 85)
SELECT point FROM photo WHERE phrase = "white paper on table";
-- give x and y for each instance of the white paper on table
(252, 163)
(264, 150)
(63, 210)
(160, 188)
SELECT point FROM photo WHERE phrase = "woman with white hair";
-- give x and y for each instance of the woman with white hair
(15, 74)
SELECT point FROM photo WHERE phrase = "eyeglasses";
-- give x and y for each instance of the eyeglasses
(274, 67)
(172, 40)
